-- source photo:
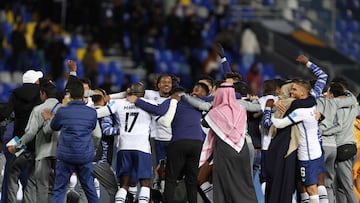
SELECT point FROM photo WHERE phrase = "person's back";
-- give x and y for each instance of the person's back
(75, 141)
(75, 151)
(23, 100)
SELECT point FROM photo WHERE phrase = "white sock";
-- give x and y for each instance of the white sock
(97, 187)
(144, 195)
(162, 186)
(263, 187)
(208, 190)
(323, 196)
(304, 197)
(120, 196)
(19, 194)
(133, 192)
(314, 199)
(73, 182)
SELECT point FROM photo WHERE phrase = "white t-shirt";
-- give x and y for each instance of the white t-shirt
(309, 148)
(134, 125)
(158, 131)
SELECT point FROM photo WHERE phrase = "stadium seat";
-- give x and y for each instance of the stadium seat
(103, 69)
(340, 25)
(17, 77)
(135, 78)
(115, 67)
(5, 76)
(77, 42)
(353, 26)
(7, 29)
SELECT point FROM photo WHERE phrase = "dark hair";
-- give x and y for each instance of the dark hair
(336, 89)
(208, 79)
(177, 89)
(86, 81)
(242, 88)
(269, 87)
(76, 89)
(48, 87)
(358, 98)
(340, 80)
(204, 87)
(137, 89)
(217, 83)
(234, 75)
(96, 98)
(162, 76)
(279, 82)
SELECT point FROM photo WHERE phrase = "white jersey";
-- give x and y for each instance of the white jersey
(134, 125)
(262, 100)
(309, 148)
(158, 131)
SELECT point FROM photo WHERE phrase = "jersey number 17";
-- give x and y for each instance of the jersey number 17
(132, 114)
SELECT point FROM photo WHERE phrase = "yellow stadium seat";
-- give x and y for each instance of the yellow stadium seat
(29, 41)
(99, 55)
(30, 28)
(10, 16)
(80, 52)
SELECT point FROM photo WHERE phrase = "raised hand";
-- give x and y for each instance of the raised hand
(302, 59)
(220, 50)
(71, 65)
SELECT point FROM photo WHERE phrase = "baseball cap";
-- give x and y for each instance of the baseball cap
(32, 76)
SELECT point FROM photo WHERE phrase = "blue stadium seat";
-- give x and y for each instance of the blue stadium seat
(115, 67)
(27, 17)
(126, 41)
(135, 78)
(353, 26)
(7, 29)
(80, 69)
(268, 2)
(340, 25)
(103, 68)
(161, 67)
(174, 68)
(77, 42)
(348, 36)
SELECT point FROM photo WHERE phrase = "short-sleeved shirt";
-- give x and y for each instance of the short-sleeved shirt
(134, 125)
(305, 119)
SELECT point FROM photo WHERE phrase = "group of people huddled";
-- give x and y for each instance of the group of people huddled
(299, 133)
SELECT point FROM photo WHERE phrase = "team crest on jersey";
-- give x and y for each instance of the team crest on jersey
(293, 114)
(112, 102)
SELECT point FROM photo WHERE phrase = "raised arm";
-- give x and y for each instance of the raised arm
(318, 72)
(225, 64)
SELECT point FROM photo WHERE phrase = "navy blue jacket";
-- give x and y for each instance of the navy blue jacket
(76, 122)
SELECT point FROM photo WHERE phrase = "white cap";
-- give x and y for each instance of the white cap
(31, 76)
